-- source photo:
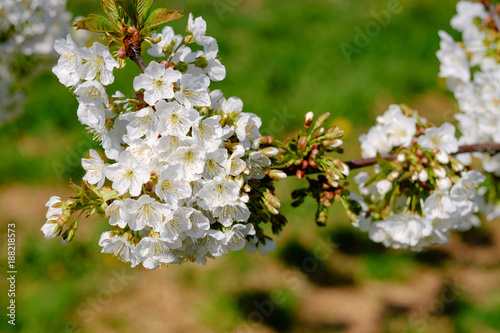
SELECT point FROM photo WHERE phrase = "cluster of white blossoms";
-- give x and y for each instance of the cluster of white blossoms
(444, 210)
(472, 72)
(179, 156)
(395, 129)
(424, 193)
(31, 26)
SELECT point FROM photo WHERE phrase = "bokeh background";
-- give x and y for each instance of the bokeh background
(283, 58)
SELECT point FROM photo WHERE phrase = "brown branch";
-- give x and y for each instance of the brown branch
(137, 59)
(491, 148)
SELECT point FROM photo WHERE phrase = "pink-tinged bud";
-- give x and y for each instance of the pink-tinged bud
(267, 140)
(132, 30)
(302, 144)
(329, 195)
(313, 163)
(166, 63)
(123, 28)
(305, 164)
(308, 120)
(122, 54)
(136, 37)
(300, 174)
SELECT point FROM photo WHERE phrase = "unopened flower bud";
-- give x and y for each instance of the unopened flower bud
(300, 174)
(352, 216)
(423, 176)
(336, 143)
(344, 169)
(319, 132)
(244, 197)
(440, 172)
(269, 152)
(68, 236)
(273, 210)
(132, 30)
(267, 140)
(189, 39)
(277, 175)
(122, 54)
(328, 195)
(322, 119)
(332, 182)
(321, 216)
(312, 162)
(272, 199)
(302, 144)
(308, 120)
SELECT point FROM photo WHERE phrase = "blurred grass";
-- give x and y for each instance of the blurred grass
(282, 60)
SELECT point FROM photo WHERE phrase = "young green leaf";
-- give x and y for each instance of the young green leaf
(95, 23)
(160, 16)
(109, 7)
(143, 10)
(385, 164)
(130, 9)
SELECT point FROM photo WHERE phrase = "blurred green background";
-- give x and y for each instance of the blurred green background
(283, 59)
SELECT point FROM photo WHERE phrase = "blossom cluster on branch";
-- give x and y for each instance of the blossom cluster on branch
(416, 200)
(185, 174)
(184, 163)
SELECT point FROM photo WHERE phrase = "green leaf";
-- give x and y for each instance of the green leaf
(143, 10)
(95, 23)
(375, 178)
(160, 16)
(385, 164)
(109, 7)
(130, 9)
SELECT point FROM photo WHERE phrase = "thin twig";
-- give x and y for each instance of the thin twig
(479, 148)
(494, 15)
